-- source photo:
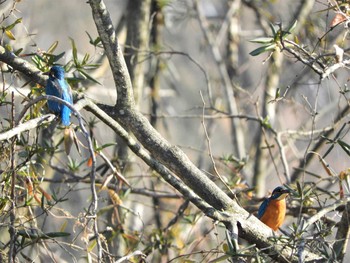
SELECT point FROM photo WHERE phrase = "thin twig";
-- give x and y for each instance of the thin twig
(210, 153)
(178, 214)
(326, 210)
(128, 257)
(12, 229)
(283, 156)
(236, 127)
(114, 170)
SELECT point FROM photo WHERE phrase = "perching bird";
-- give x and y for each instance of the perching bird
(273, 210)
(57, 86)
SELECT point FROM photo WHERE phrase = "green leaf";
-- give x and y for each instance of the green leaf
(63, 226)
(36, 235)
(27, 234)
(262, 40)
(274, 32)
(85, 59)
(9, 27)
(296, 40)
(266, 122)
(231, 249)
(344, 146)
(263, 49)
(93, 42)
(289, 30)
(69, 66)
(87, 76)
(18, 51)
(307, 192)
(97, 42)
(162, 3)
(51, 58)
(92, 245)
(59, 56)
(105, 146)
(52, 48)
(9, 34)
(74, 52)
(292, 27)
(8, 47)
(57, 234)
(277, 93)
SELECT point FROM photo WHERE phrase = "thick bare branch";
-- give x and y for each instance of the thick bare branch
(29, 125)
(114, 54)
(343, 233)
(23, 66)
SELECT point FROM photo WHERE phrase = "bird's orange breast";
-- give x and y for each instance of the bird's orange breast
(274, 214)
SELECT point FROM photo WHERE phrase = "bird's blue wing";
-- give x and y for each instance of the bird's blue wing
(60, 88)
(66, 96)
(263, 207)
(53, 88)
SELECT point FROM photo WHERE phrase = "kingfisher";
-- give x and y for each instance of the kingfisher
(273, 210)
(57, 86)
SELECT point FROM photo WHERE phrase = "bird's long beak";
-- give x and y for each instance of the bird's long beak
(286, 191)
(284, 194)
(46, 73)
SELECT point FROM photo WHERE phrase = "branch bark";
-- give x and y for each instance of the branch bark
(23, 66)
(29, 125)
(343, 233)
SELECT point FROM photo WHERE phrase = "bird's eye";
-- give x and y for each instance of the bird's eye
(279, 190)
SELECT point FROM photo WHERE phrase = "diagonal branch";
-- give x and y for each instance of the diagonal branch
(28, 125)
(23, 66)
(105, 28)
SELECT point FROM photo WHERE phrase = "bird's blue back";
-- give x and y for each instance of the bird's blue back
(57, 86)
(263, 207)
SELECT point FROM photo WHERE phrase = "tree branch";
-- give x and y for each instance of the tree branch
(23, 66)
(114, 54)
(29, 125)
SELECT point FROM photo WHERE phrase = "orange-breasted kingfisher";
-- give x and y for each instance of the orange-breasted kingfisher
(273, 210)
(57, 86)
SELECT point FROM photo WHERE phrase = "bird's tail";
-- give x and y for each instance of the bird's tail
(65, 115)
